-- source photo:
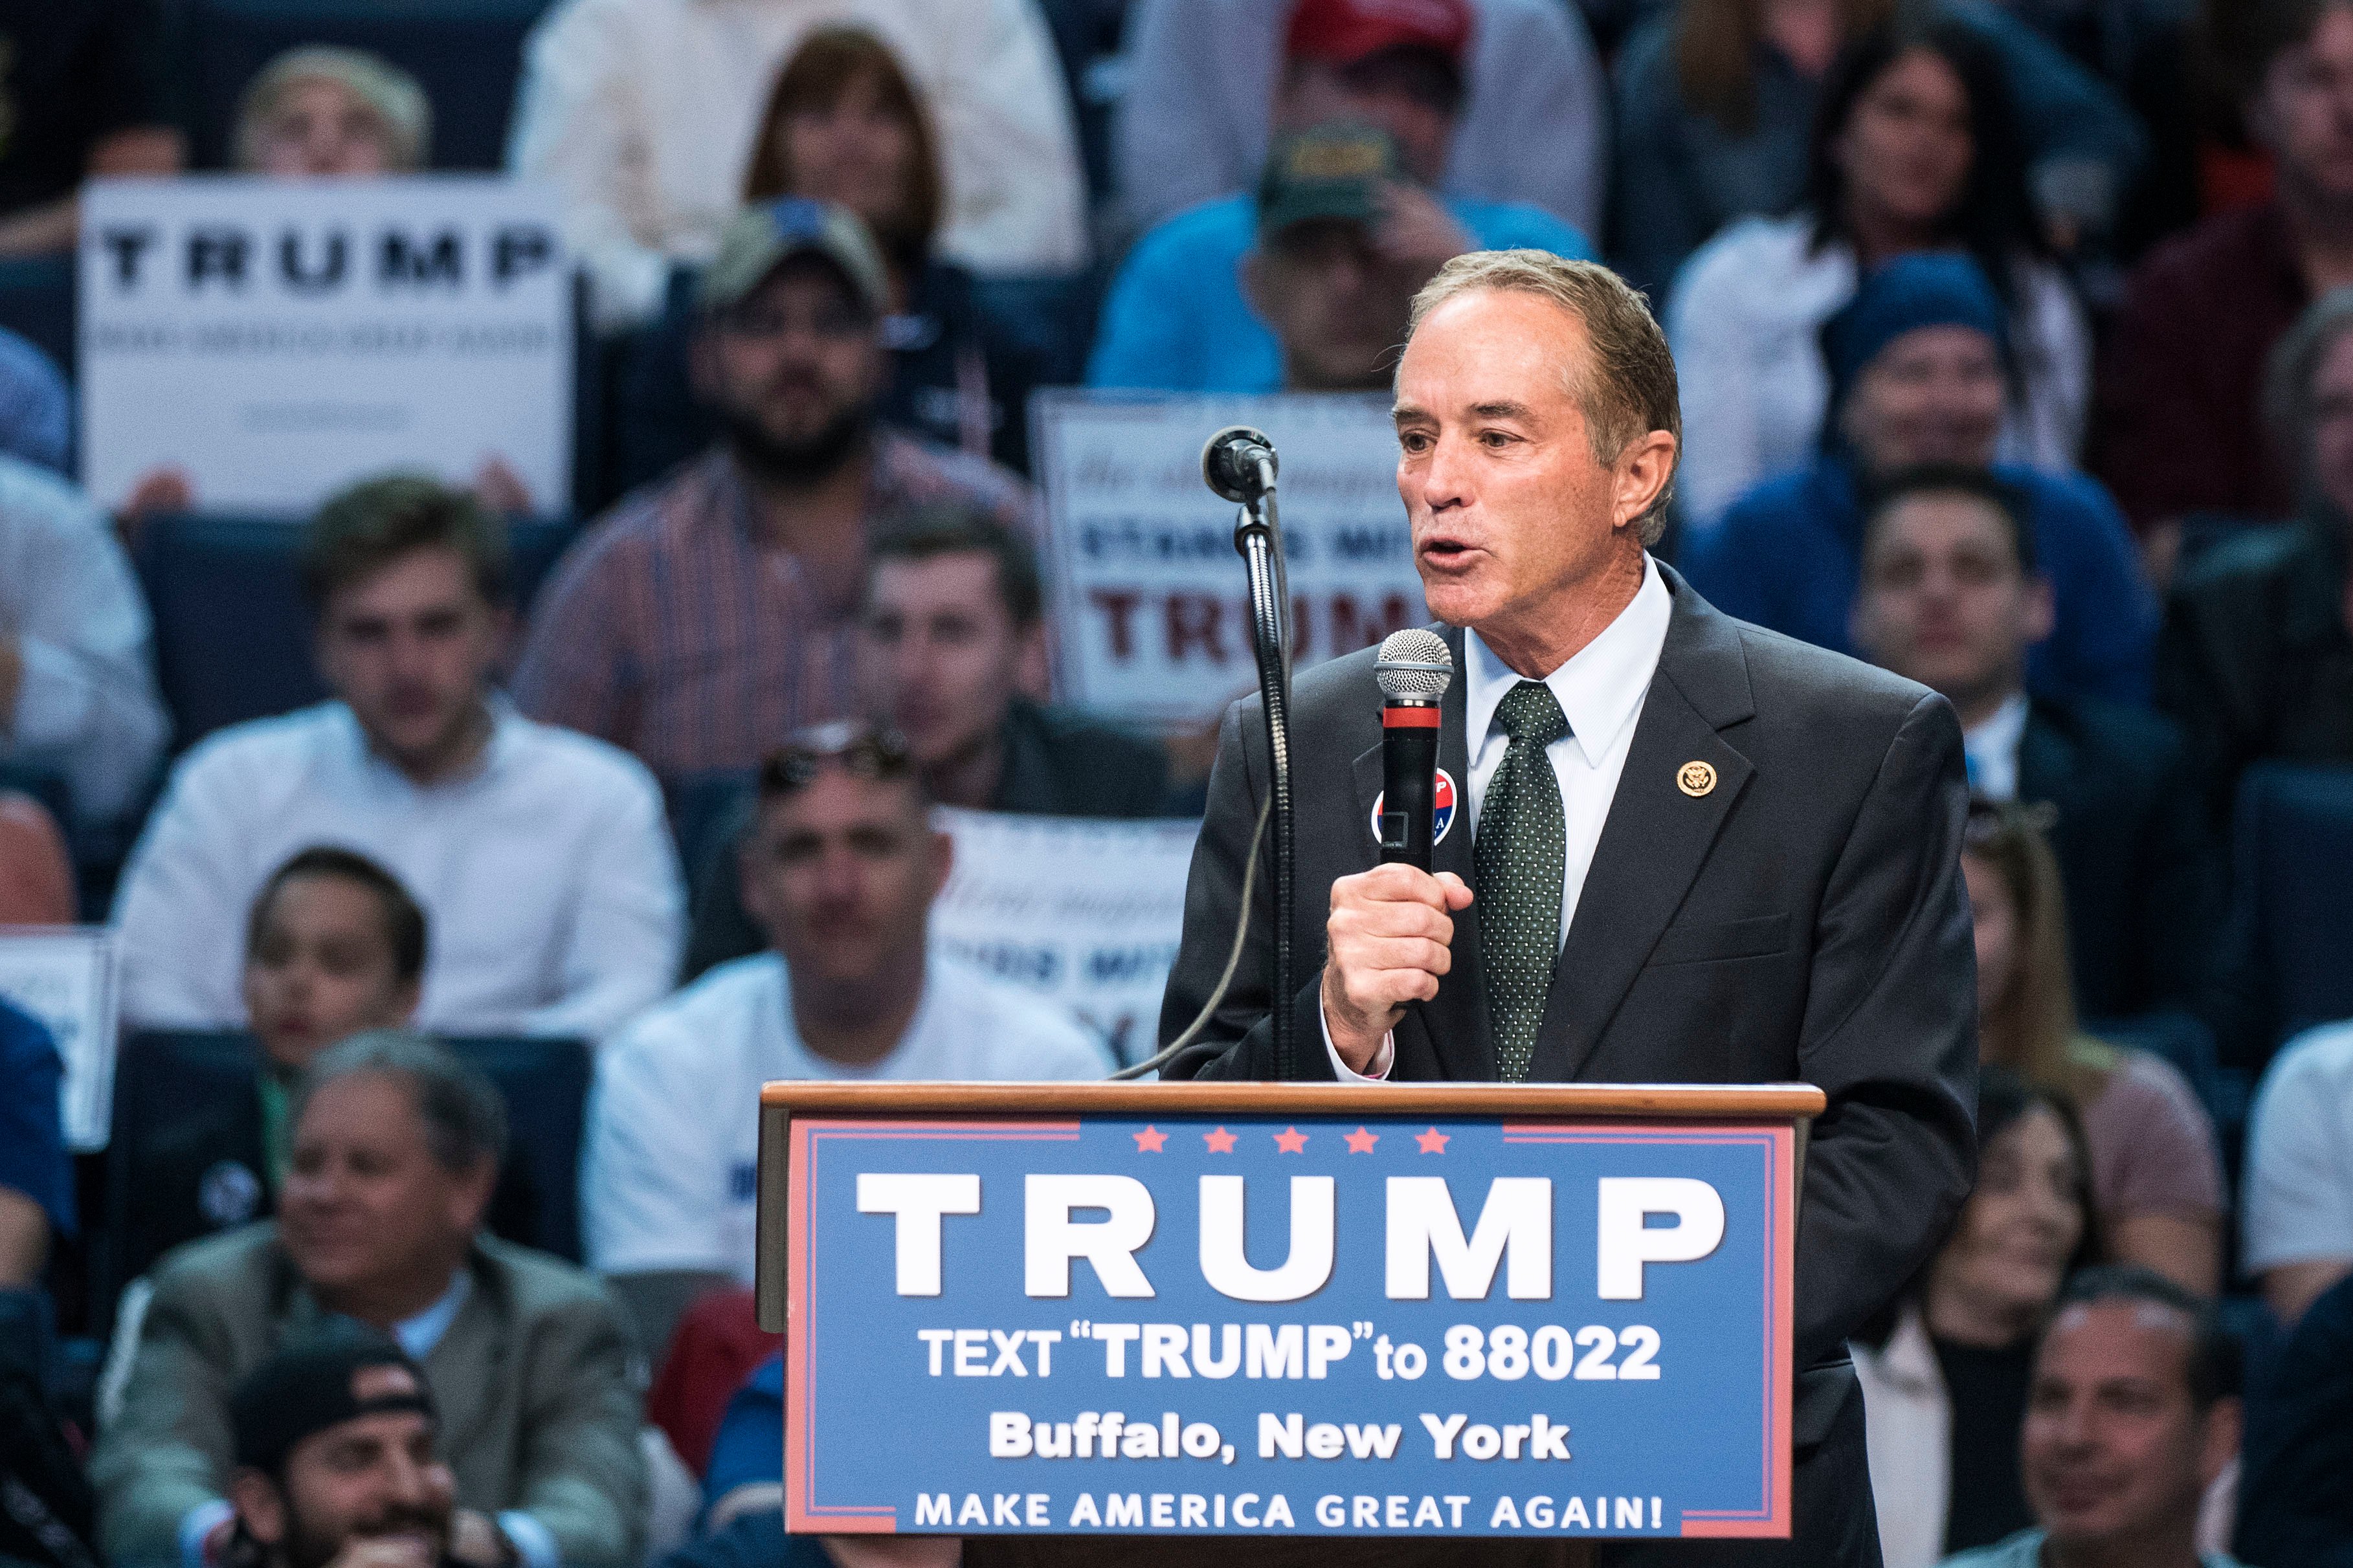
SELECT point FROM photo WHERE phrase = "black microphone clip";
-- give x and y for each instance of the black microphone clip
(1239, 463)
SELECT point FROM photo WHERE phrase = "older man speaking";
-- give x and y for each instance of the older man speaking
(1695, 851)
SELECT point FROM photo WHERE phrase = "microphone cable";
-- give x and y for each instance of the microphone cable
(1233, 962)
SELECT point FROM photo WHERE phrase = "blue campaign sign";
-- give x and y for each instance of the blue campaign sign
(1305, 1325)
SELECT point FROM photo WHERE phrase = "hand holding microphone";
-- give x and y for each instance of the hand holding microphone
(1389, 936)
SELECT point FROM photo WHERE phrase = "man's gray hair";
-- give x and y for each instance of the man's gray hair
(2290, 410)
(1630, 388)
(464, 1114)
(394, 95)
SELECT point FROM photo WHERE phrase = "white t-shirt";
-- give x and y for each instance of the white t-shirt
(2299, 1186)
(546, 873)
(670, 1173)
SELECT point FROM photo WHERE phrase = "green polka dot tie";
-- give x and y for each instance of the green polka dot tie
(1521, 845)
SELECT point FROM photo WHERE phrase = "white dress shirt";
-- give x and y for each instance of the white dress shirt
(548, 881)
(644, 112)
(1600, 692)
(86, 705)
(1991, 748)
(669, 1173)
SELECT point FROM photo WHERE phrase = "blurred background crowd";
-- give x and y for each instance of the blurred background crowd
(462, 858)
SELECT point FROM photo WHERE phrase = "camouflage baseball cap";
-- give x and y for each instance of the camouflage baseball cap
(764, 236)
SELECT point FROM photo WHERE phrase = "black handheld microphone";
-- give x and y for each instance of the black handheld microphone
(1230, 463)
(1414, 670)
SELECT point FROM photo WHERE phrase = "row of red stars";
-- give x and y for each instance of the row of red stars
(1290, 1141)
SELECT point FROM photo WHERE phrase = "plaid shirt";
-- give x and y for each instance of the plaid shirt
(671, 631)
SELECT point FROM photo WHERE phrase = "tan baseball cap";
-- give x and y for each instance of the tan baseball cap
(764, 236)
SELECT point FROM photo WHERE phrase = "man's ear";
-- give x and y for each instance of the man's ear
(2042, 608)
(1033, 664)
(1250, 275)
(258, 1505)
(404, 997)
(1643, 470)
(943, 858)
(750, 886)
(469, 1196)
(2218, 1444)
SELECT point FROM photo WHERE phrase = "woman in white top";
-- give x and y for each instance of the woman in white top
(1913, 150)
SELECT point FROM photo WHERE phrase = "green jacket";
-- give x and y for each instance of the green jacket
(538, 1410)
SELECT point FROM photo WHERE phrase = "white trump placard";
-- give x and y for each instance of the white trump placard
(1152, 603)
(64, 976)
(268, 342)
(1087, 911)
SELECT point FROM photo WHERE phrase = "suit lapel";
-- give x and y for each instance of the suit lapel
(2046, 760)
(1657, 834)
(1457, 1019)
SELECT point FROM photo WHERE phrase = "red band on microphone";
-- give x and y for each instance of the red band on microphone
(1396, 717)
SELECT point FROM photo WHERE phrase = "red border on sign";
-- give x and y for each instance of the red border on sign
(1781, 1230)
(802, 1517)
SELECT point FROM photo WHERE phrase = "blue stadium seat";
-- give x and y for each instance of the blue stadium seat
(36, 303)
(467, 53)
(2293, 841)
(28, 1332)
(232, 632)
(162, 1078)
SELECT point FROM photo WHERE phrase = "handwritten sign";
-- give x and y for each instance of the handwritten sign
(1151, 602)
(1312, 1326)
(1088, 912)
(273, 340)
(64, 975)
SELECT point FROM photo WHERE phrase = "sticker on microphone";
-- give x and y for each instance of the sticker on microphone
(1442, 809)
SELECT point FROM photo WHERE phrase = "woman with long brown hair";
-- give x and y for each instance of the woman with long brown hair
(845, 124)
(2156, 1175)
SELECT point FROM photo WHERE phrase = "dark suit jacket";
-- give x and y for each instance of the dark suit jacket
(2254, 661)
(2134, 852)
(1804, 920)
(539, 1411)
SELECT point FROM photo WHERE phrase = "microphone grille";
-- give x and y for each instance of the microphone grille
(1414, 663)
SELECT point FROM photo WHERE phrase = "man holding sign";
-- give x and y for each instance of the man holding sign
(1688, 851)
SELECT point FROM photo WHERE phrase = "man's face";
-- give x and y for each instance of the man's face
(374, 1482)
(1376, 93)
(1943, 601)
(2332, 424)
(1337, 306)
(411, 650)
(2303, 110)
(1511, 514)
(2113, 1449)
(367, 1207)
(942, 657)
(1933, 396)
(318, 126)
(793, 370)
(321, 969)
(841, 873)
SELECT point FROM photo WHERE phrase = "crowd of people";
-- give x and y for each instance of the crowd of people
(2015, 348)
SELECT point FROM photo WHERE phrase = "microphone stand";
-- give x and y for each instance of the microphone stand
(1257, 537)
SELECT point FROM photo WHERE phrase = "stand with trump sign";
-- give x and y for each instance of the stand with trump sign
(1556, 1311)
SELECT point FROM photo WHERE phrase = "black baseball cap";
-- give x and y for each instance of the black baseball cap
(327, 1376)
(1331, 172)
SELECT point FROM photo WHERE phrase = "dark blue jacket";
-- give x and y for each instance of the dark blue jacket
(2295, 1503)
(1788, 555)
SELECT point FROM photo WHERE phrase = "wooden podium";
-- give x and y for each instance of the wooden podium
(1477, 1338)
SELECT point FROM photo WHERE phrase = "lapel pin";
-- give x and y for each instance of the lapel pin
(1696, 779)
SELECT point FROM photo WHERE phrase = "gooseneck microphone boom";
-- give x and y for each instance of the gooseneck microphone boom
(1414, 668)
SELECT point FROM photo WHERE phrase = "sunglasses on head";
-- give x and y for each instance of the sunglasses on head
(857, 750)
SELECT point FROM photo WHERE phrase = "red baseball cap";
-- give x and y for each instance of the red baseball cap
(1346, 31)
